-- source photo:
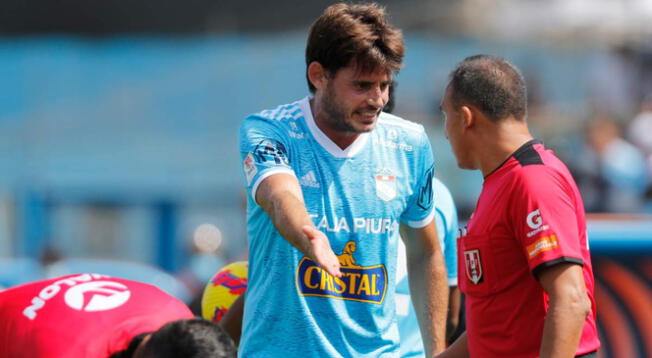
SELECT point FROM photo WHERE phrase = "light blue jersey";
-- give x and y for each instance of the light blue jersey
(357, 197)
(447, 228)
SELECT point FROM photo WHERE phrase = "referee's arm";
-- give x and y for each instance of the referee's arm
(568, 308)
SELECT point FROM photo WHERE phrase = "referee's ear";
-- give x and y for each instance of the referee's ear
(469, 116)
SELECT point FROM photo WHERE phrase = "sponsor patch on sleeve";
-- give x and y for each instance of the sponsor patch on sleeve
(271, 152)
(541, 245)
(249, 167)
(425, 192)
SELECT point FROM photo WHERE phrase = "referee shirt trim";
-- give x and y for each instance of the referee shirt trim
(564, 259)
(525, 155)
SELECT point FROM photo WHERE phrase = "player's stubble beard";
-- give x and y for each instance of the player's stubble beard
(336, 116)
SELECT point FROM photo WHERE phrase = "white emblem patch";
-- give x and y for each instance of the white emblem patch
(249, 167)
(473, 266)
(97, 296)
(386, 187)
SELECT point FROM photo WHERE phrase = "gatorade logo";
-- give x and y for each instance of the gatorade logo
(97, 296)
(535, 222)
(534, 219)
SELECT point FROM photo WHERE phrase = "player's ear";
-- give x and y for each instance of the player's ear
(468, 116)
(317, 75)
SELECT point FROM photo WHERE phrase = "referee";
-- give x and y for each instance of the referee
(524, 261)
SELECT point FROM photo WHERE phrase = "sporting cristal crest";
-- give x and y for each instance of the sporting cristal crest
(386, 186)
(473, 265)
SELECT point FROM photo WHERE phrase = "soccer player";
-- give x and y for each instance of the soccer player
(97, 316)
(524, 259)
(223, 297)
(329, 178)
(447, 229)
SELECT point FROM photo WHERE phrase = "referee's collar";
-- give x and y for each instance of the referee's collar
(526, 147)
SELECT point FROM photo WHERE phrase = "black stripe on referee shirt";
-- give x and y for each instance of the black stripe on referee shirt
(564, 259)
(527, 155)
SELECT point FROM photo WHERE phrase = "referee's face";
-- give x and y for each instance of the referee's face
(453, 124)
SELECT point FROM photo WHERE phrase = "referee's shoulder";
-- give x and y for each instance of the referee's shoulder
(538, 175)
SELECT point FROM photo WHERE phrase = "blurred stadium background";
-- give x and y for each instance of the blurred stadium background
(118, 128)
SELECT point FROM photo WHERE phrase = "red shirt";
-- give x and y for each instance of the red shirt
(529, 216)
(83, 315)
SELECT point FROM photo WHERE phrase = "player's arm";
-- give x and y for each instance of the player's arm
(280, 196)
(232, 320)
(568, 308)
(453, 320)
(459, 349)
(428, 286)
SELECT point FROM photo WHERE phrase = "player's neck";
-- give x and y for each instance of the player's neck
(501, 143)
(341, 138)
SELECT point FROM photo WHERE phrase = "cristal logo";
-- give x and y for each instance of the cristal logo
(97, 296)
(534, 219)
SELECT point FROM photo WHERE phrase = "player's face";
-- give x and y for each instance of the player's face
(352, 101)
(454, 131)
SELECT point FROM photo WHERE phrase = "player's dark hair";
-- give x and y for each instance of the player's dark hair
(354, 32)
(391, 102)
(189, 338)
(492, 85)
(131, 348)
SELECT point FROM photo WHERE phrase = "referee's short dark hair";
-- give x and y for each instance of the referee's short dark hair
(491, 84)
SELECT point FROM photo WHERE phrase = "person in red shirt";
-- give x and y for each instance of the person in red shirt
(524, 262)
(92, 315)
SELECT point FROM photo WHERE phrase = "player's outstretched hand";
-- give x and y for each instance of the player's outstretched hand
(321, 251)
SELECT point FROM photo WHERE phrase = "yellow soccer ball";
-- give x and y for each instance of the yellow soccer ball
(223, 289)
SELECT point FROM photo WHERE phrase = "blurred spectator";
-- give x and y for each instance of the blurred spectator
(49, 255)
(640, 133)
(612, 172)
(640, 128)
(614, 80)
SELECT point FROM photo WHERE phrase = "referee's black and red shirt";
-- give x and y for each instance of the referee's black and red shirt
(529, 216)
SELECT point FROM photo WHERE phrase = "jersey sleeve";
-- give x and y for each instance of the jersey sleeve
(447, 228)
(420, 209)
(544, 219)
(263, 150)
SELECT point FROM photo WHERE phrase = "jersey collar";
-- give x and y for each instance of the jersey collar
(516, 153)
(325, 141)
